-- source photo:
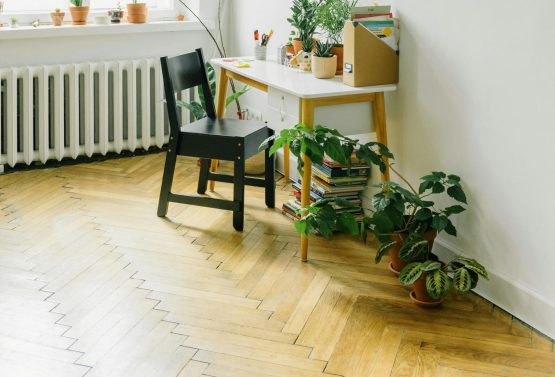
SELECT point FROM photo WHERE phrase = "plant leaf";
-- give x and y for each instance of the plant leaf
(383, 249)
(437, 284)
(332, 147)
(429, 266)
(462, 280)
(236, 95)
(457, 193)
(410, 274)
(412, 250)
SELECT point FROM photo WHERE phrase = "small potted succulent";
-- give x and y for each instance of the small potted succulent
(79, 12)
(332, 15)
(14, 23)
(116, 15)
(304, 19)
(137, 12)
(57, 17)
(324, 63)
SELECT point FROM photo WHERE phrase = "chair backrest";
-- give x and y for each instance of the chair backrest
(181, 73)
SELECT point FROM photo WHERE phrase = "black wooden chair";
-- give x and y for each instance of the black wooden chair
(210, 138)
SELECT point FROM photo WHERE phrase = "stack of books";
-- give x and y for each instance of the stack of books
(332, 180)
(378, 20)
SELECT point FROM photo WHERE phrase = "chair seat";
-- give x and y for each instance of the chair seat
(224, 127)
(223, 139)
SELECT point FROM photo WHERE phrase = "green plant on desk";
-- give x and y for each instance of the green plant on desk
(332, 15)
(323, 49)
(198, 108)
(304, 17)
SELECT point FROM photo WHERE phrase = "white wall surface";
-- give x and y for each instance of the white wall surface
(476, 98)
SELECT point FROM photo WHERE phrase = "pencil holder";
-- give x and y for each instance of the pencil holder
(260, 52)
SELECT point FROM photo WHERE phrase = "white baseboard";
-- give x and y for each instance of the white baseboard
(520, 301)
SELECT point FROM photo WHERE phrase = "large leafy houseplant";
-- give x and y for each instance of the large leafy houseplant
(304, 18)
(400, 218)
(332, 15)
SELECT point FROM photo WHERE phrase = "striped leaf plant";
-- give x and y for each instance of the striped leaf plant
(461, 274)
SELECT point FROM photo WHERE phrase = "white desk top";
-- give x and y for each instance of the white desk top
(297, 83)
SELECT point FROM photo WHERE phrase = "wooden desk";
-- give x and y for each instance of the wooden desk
(312, 93)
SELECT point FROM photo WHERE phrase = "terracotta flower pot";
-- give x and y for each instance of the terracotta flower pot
(181, 17)
(338, 51)
(297, 46)
(324, 68)
(137, 13)
(396, 264)
(79, 15)
(57, 18)
(289, 49)
(420, 296)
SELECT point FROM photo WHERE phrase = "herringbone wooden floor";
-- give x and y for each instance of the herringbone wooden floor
(92, 282)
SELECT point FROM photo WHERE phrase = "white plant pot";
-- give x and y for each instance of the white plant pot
(324, 68)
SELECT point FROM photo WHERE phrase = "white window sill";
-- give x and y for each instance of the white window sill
(48, 31)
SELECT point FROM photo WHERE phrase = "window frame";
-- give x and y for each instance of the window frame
(158, 14)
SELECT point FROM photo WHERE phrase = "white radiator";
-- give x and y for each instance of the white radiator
(67, 111)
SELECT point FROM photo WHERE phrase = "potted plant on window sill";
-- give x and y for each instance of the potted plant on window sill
(304, 18)
(116, 15)
(332, 15)
(402, 218)
(324, 63)
(79, 12)
(57, 17)
(137, 12)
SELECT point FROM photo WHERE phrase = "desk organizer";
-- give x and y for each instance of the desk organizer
(368, 60)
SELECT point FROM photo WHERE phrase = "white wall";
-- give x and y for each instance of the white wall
(476, 98)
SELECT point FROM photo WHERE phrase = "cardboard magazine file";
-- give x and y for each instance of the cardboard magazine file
(368, 60)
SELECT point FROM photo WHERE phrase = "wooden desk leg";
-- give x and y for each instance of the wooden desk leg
(220, 112)
(378, 110)
(307, 118)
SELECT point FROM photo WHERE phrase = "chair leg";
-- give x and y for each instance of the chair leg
(270, 178)
(203, 176)
(167, 181)
(239, 194)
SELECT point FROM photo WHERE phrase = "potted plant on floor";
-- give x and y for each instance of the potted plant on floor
(324, 63)
(79, 12)
(402, 218)
(431, 282)
(304, 18)
(57, 17)
(332, 15)
(137, 12)
(406, 221)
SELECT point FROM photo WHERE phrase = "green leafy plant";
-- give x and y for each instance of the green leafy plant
(304, 17)
(332, 15)
(308, 44)
(323, 50)
(76, 3)
(400, 216)
(198, 109)
(465, 271)
(409, 214)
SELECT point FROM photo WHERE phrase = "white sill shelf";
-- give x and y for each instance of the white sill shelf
(68, 30)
